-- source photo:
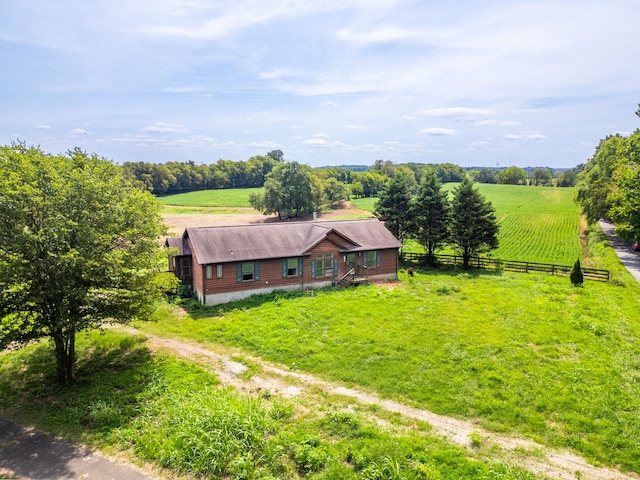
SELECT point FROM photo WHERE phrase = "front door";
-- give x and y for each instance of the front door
(351, 261)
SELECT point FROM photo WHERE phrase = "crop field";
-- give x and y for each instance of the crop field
(537, 224)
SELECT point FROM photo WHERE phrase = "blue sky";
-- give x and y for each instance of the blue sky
(328, 82)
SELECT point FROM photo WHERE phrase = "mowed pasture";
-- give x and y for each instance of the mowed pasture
(233, 197)
(537, 224)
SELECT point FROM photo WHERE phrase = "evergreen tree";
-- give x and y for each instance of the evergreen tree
(576, 276)
(431, 213)
(474, 227)
(394, 204)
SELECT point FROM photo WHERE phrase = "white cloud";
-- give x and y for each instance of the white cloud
(43, 127)
(438, 132)
(162, 127)
(330, 103)
(526, 136)
(78, 131)
(384, 34)
(265, 144)
(315, 141)
(354, 127)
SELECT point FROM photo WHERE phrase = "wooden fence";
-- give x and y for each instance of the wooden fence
(507, 265)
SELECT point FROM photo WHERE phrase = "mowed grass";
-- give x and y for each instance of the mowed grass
(520, 353)
(537, 224)
(236, 197)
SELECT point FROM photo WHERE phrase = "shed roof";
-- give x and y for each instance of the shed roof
(180, 243)
(280, 240)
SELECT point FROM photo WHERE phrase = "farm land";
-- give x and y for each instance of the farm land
(524, 356)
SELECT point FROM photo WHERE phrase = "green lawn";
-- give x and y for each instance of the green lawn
(174, 414)
(522, 353)
(238, 197)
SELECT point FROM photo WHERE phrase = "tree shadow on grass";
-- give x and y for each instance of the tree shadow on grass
(112, 379)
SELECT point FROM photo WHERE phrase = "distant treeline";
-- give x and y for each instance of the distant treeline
(363, 181)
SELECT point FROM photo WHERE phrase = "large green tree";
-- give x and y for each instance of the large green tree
(474, 226)
(394, 204)
(78, 248)
(290, 190)
(625, 197)
(431, 213)
(512, 176)
(598, 181)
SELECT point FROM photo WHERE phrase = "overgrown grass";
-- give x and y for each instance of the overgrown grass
(175, 414)
(523, 353)
(233, 197)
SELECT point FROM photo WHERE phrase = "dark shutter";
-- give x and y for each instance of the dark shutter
(378, 255)
(335, 267)
(256, 270)
(313, 269)
(239, 272)
(284, 268)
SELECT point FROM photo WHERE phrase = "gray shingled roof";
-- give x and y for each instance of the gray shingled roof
(180, 243)
(280, 240)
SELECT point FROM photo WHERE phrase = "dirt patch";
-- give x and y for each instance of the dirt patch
(177, 222)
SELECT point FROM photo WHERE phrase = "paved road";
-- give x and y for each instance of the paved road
(628, 257)
(30, 454)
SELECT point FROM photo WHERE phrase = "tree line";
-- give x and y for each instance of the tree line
(609, 185)
(361, 181)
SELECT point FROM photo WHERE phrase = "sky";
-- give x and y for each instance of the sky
(328, 82)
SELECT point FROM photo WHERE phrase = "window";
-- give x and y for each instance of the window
(324, 265)
(290, 267)
(247, 271)
(185, 267)
(372, 259)
(219, 271)
(209, 271)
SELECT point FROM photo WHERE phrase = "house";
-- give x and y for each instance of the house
(224, 264)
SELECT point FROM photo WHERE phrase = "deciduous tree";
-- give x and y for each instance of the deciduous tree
(512, 176)
(78, 248)
(290, 190)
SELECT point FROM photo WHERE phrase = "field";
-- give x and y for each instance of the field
(516, 355)
(537, 224)
(210, 198)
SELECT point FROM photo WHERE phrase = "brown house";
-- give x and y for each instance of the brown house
(224, 264)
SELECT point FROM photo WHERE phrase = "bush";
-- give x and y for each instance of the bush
(576, 276)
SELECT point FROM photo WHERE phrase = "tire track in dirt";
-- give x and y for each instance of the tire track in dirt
(278, 380)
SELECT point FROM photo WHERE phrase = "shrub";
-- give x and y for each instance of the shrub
(576, 276)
